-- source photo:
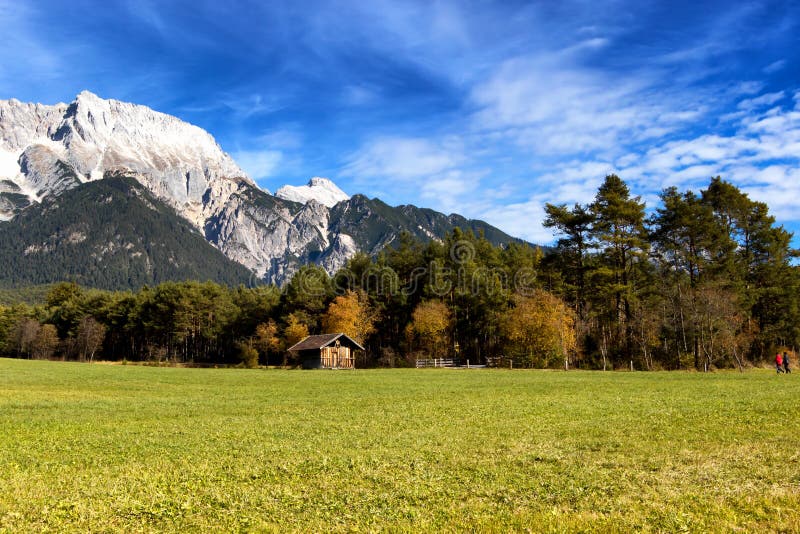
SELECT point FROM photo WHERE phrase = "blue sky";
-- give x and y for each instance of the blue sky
(488, 109)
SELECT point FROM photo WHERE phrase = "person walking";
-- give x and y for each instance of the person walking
(779, 363)
(786, 363)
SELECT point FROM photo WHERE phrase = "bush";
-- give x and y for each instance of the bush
(248, 356)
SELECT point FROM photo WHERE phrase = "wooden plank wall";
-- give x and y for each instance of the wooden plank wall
(333, 357)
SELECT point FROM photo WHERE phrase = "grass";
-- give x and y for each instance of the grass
(127, 448)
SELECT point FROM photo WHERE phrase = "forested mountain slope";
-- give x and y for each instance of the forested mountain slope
(111, 233)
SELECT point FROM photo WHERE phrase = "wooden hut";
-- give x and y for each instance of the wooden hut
(327, 351)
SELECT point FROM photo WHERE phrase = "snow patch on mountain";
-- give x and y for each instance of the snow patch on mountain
(322, 190)
(9, 165)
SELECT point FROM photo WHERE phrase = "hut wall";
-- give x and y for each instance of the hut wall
(310, 359)
(336, 357)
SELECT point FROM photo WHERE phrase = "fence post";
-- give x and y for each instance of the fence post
(467, 364)
(631, 365)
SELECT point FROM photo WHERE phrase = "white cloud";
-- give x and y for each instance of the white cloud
(404, 159)
(775, 66)
(452, 183)
(766, 99)
(750, 87)
(762, 157)
(776, 185)
(258, 163)
(522, 219)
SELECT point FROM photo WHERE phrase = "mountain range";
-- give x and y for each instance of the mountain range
(115, 194)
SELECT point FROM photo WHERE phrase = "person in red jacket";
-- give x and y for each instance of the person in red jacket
(779, 363)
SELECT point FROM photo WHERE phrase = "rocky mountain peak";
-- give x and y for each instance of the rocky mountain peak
(318, 181)
(91, 136)
(320, 189)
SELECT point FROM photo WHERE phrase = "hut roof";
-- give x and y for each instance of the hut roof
(323, 340)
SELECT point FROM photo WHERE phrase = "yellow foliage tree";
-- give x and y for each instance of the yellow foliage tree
(267, 340)
(430, 323)
(295, 330)
(350, 314)
(539, 329)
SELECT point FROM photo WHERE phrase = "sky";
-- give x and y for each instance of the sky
(487, 109)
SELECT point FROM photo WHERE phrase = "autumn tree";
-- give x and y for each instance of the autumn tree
(646, 323)
(539, 329)
(295, 330)
(351, 314)
(430, 324)
(267, 341)
(248, 355)
(720, 323)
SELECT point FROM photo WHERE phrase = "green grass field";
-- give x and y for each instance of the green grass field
(127, 448)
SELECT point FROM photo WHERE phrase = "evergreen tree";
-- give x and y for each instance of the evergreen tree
(618, 232)
(575, 226)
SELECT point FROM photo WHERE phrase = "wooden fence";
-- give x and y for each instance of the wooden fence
(438, 362)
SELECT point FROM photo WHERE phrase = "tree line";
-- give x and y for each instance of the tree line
(704, 281)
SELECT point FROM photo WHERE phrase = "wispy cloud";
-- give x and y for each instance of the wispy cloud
(18, 38)
(760, 101)
(775, 66)
(404, 159)
(553, 104)
(359, 95)
(258, 164)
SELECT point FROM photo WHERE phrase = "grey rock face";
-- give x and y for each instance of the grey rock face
(271, 236)
(45, 172)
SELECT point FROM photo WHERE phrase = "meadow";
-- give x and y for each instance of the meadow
(94, 447)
